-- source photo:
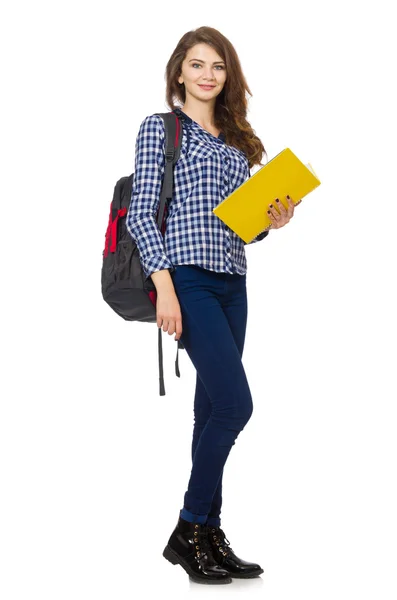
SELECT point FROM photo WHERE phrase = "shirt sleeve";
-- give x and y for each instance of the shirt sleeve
(141, 221)
(259, 237)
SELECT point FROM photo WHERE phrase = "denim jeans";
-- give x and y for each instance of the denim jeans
(214, 318)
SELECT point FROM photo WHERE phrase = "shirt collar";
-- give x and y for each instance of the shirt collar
(189, 120)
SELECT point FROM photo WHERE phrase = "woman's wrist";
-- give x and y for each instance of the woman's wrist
(162, 281)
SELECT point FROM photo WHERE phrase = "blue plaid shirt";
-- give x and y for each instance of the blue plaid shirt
(207, 171)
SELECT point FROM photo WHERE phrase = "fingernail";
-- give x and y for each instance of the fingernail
(288, 197)
(271, 205)
(268, 212)
(277, 200)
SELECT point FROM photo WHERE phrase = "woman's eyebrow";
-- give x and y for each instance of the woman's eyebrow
(214, 63)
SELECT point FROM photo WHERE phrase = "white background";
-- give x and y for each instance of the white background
(94, 463)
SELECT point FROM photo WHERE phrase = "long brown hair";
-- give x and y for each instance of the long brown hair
(231, 103)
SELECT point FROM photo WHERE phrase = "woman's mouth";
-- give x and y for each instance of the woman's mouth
(207, 87)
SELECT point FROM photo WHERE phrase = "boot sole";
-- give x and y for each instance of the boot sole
(247, 576)
(174, 559)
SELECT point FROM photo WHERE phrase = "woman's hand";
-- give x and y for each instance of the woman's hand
(281, 217)
(168, 313)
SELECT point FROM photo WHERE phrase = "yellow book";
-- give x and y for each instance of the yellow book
(245, 210)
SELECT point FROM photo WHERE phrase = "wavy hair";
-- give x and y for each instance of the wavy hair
(231, 104)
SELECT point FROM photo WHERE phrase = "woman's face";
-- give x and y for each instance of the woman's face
(203, 65)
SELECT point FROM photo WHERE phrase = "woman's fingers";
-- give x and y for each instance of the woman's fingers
(280, 216)
(274, 215)
(291, 206)
(281, 207)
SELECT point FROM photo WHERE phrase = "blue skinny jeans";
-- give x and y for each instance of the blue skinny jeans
(214, 318)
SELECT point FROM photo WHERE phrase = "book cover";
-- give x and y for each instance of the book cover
(245, 209)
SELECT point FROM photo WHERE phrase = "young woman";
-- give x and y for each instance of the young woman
(199, 271)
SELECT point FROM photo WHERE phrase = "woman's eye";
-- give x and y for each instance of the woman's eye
(221, 66)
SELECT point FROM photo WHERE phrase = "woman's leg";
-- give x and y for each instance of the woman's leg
(208, 339)
(202, 412)
(236, 311)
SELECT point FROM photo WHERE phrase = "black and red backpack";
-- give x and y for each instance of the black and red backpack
(124, 286)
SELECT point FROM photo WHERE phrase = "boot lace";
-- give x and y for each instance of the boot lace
(220, 540)
(201, 542)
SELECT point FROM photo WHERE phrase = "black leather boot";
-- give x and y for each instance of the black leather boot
(226, 558)
(189, 547)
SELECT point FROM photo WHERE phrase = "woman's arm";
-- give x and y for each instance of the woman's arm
(141, 221)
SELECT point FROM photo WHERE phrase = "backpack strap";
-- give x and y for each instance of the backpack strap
(173, 142)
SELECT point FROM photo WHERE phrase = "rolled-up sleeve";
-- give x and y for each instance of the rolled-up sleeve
(259, 237)
(141, 221)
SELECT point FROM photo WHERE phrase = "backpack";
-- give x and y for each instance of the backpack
(123, 280)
